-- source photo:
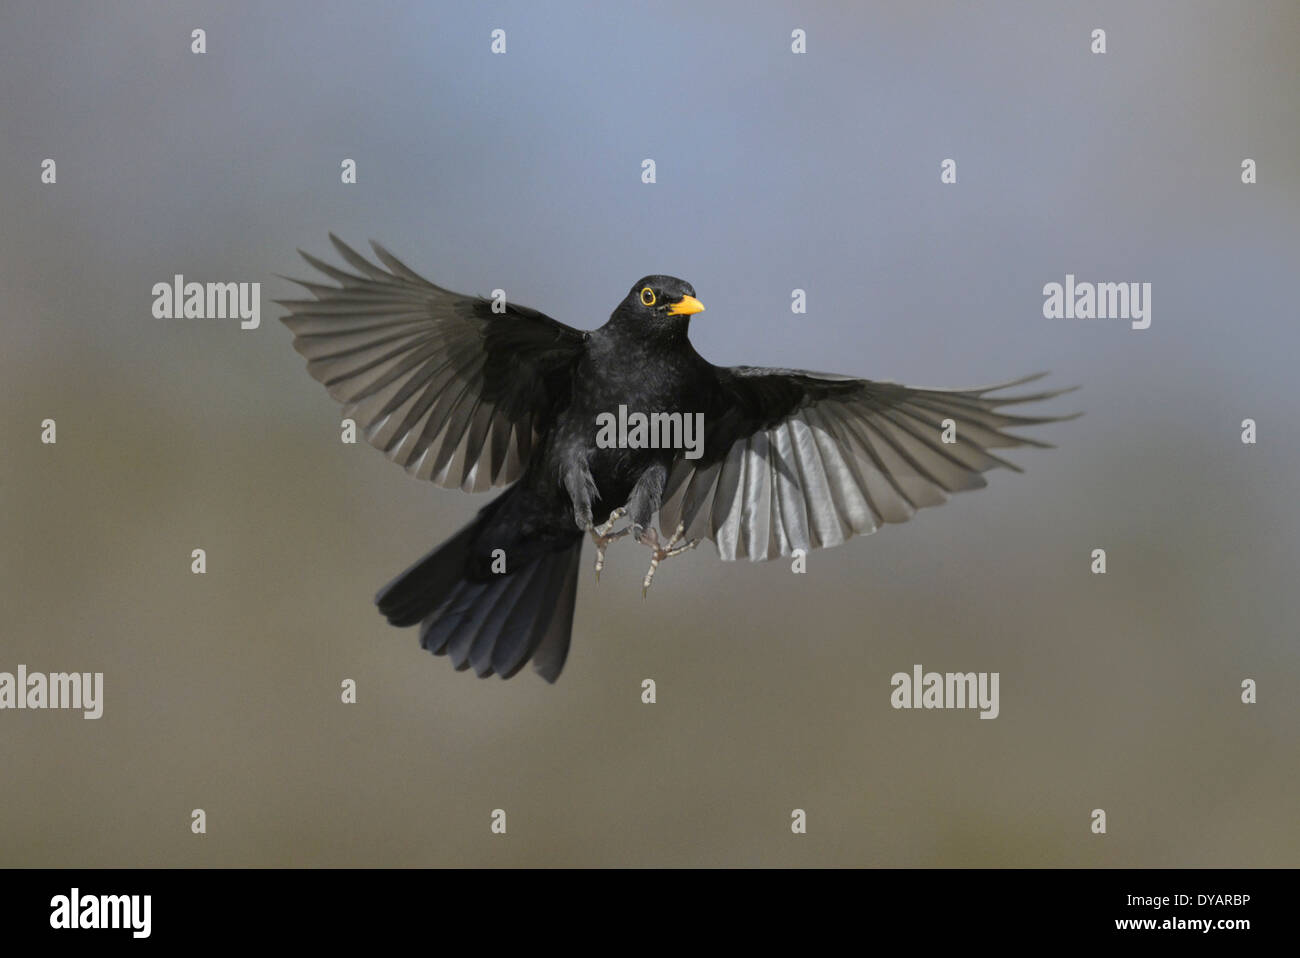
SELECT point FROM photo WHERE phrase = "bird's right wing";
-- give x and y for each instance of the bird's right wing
(802, 460)
(449, 389)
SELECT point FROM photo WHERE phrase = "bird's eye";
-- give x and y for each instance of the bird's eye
(647, 296)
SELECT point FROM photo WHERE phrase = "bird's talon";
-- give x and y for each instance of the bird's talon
(602, 536)
(673, 547)
(604, 527)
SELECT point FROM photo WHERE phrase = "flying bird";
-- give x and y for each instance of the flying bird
(472, 393)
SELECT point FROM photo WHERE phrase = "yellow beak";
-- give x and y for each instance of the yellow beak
(686, 306)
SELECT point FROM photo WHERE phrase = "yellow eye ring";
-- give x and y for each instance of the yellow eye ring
(647, 296)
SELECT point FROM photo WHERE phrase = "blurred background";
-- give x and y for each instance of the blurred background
(775, 171)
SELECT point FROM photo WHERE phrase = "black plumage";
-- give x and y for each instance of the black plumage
(472, 398)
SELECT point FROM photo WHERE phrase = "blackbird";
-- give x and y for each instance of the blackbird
(473, 393)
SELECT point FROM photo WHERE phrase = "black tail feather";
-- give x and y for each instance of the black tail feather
(553, 648)
(417, 591)
(493, 624)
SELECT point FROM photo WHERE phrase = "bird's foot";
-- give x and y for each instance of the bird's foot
(602, 536)
(674, 546)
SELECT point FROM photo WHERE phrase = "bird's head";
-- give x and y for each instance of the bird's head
(661, 300)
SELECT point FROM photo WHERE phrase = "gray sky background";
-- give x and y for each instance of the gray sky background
(775, 171)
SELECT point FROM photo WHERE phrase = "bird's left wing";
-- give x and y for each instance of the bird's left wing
(448, 388)
(801, 460)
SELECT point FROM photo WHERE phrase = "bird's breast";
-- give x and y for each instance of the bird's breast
(632, 410)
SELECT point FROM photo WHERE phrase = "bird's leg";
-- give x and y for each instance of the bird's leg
(647, 497)
(577, 479)
(602, 536)
(674, 546)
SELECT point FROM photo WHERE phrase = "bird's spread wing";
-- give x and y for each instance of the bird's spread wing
(802, 460)
(449, 389)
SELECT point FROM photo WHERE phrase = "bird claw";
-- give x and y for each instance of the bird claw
(674, 546)
(602, 536)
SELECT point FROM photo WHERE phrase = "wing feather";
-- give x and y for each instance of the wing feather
(449, 389)
(803, 460)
